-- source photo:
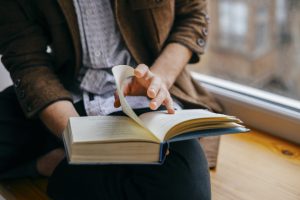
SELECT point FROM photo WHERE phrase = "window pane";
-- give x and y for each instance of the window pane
(233, 11)
(256, 43)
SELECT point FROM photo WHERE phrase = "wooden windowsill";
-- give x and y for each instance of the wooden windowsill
(256, 166)
(250, 167)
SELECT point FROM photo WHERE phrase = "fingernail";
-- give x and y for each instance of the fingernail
(152, 91)
(154, 105)
(171, 111)
(140, 71)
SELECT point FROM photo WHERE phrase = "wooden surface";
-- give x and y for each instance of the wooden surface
(24, 189)
(250, 167)
(256, 167)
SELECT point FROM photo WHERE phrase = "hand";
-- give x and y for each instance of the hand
(146, 83)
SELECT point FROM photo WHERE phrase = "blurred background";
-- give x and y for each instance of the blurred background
(256, 43)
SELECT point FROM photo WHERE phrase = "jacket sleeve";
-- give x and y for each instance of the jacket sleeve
(191, 26)
(23, 45)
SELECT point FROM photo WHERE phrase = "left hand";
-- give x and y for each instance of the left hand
(146, 83)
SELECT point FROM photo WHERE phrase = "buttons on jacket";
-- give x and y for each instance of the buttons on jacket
(205, 31)
(17, 83)
(207, 18)
(201, 42)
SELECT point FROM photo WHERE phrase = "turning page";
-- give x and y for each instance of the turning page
(121, 73)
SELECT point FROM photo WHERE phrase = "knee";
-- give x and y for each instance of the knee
(190, 169)
(192, 183)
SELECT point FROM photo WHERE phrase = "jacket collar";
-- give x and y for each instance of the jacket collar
(68, 10)
(131, 31)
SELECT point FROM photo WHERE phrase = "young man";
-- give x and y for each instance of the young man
(60, 53)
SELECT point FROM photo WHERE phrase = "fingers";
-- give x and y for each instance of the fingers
(163, 97)
(126, 88)
(126, 91)
(149, 80)
(169, 104)
(141, 70)
(154, 87)
(158, 100)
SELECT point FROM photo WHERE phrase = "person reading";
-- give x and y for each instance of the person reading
(60, 54)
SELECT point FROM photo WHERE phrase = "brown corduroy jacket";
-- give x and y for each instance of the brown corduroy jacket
(29, 27)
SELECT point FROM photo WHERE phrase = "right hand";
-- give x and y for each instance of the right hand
(146, 83)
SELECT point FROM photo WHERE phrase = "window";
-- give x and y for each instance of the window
(252, 62)
(233, 24)
(262, 29)
(255, 43)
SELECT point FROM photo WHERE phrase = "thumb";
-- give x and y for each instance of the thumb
(127, 87)
(117, 102)
(126, 91)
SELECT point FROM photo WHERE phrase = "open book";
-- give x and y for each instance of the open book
(139, 139)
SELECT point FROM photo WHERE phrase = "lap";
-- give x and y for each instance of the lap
(183, 175)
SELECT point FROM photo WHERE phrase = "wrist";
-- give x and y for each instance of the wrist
(56, 116)
(171, 62)
(167, 80)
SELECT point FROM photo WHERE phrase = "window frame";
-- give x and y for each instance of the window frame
(265, 111)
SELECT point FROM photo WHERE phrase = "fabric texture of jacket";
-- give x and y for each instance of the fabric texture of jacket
(40, 45)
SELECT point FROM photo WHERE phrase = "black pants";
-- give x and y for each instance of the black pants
(184, 175)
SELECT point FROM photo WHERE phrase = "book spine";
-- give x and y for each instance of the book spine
(164, 147)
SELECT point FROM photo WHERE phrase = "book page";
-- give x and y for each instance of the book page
(107, 129)
(121, 73)
(160, 122)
